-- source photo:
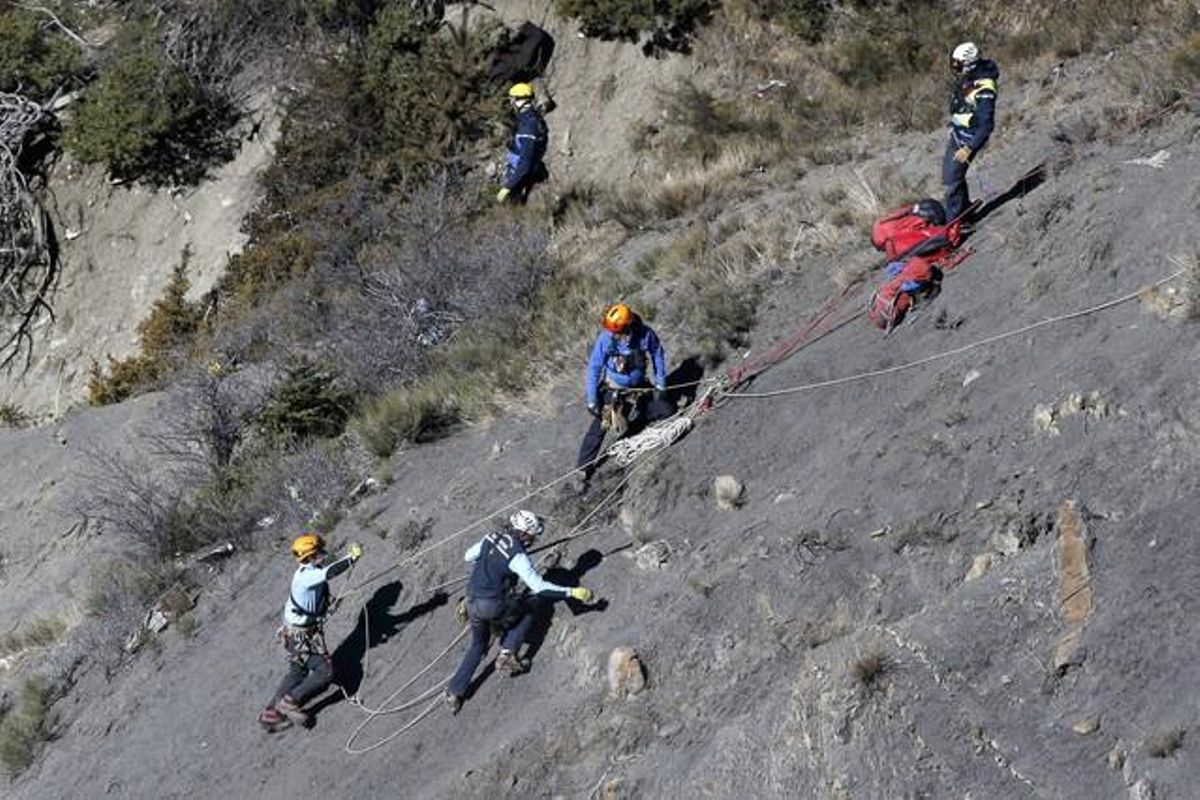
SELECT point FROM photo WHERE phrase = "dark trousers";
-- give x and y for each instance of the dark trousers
(513, 615)
(519, 194)
(954, 179)
(641, 413)
(306, 677)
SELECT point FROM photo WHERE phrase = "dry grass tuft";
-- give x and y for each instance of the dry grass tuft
(869, 668)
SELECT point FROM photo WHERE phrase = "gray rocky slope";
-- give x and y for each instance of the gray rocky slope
(867, 505)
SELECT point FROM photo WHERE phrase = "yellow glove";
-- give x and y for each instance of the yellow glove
(355, 551)
(962, 155)
(502, 195)
(581, 594)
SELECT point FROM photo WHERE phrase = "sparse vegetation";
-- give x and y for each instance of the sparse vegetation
(667, 25)
(869, 668)
(13, 416)
(42, 632)
(24, 728)
(165, 336)
(33, 59)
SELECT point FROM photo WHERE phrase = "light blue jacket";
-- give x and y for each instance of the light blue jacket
(610, 350)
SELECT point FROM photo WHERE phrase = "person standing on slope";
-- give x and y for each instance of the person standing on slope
(617, 380)
(493, 599)
(972, 117)
(528, 147)
(302, 634)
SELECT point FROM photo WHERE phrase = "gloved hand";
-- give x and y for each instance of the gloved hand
(502, 195)
(355, 551)
(962, 155)
(580, 593)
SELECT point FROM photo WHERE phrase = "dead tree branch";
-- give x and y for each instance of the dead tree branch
(28, 265)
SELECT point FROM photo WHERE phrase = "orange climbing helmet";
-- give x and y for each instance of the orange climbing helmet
(617, 318)
(307, 545)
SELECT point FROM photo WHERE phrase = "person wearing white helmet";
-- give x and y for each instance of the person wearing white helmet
(501, 559)
(972, 118)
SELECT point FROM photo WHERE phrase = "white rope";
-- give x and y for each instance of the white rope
(861, 376)
(628, 450)
(383, 708)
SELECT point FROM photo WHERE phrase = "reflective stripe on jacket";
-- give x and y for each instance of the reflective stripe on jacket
(973, 106)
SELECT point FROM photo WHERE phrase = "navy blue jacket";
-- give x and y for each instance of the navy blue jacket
(973, 106)
(500, 559)
(527, 148)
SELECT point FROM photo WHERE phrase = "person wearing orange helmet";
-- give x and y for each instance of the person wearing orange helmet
(302, 634)
(616, 371)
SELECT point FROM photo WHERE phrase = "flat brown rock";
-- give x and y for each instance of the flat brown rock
(1074, 579)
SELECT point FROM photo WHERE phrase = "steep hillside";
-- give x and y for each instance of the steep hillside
(971, 577)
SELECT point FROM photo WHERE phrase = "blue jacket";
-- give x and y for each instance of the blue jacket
(527, 148)
(610, 351)
(500, 559)
(973, 106)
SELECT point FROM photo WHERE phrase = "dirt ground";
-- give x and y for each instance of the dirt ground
(823, 640)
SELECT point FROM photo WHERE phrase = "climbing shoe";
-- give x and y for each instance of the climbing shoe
(509, 662)
(290, 709)
(453, 701)
(273, 721)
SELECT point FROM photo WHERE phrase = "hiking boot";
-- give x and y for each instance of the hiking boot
(291, 709)
(273, 721)
(509, 662)
(453, 701)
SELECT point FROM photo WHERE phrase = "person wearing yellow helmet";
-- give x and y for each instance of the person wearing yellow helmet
(616, 380)
(525, 167)
(302, 634)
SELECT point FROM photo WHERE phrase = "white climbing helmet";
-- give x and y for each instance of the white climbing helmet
(965, 56)
(526, 522)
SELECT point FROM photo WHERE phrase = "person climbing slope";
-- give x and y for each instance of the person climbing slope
(616, 380)
(528, 147)
(972, 118)
(494, 599)
(302, 634)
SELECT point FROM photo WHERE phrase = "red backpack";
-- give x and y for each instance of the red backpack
(915, 276)
(916, 230)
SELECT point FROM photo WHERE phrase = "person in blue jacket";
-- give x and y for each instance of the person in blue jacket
(500, 559)
(972, 117)
(618, 366)
(528, 147)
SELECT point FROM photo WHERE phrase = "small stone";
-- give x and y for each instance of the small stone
(626, 675)
(784, 497)
(1087, 726)
(982, 504)
(653, 555)
(1116, 758)
(875, 534)
(1069, 652)
(1043, 419)
(669, 730)
(971, 377)
(979, 567)
(729, 491)
(1142, 790)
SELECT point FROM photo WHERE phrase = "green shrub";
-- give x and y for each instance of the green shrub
(24, 729)
(667, 25)
(145, 118)
(33, 59)
(165, 334)
(309, 401)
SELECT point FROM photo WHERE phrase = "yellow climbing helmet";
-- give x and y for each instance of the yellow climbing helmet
(617, 318)
(307, 545)
(521, 91)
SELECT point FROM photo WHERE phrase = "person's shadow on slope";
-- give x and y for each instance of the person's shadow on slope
(376, 617)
